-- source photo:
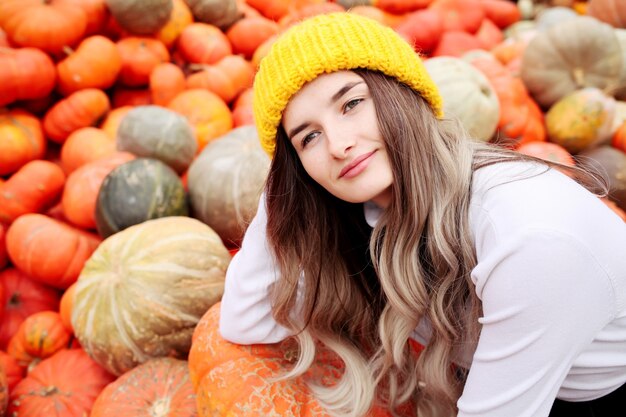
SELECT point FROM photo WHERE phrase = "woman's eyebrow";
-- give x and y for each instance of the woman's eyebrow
(343, 90)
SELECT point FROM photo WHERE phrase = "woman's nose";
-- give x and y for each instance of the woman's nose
(339, 141)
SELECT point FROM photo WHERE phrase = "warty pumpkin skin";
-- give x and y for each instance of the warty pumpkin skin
(236, 380)
(143, 291)
(156, 132)
(226, 180)
(580, 52)
(159, 387)
(136, 191)
(141, 17)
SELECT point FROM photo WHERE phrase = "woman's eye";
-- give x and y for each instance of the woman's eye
(308, 138)
(351, 104)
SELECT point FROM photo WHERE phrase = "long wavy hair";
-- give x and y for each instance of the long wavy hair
(362, 291)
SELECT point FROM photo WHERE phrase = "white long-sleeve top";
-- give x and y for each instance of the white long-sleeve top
(551, 275)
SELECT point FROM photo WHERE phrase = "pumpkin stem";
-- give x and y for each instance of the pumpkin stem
(67, 50)
(579, 76)
(14, 300)
(197, 67)
(50, 390)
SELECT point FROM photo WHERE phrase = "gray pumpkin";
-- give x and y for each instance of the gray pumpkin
(156, 132)
(226, 180)
(220, 13)
(141, 17)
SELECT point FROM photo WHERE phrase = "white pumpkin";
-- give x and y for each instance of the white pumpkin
(467, 95)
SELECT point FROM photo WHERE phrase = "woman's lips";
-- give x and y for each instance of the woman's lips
(356, 166)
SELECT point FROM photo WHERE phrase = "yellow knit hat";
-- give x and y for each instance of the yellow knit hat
(327, 43)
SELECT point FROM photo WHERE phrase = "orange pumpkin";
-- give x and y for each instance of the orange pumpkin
(85, 145)
(124, 96)
(460, 15)
(227, 78)
(4, 391)
(12, 370)
(242, 108)
(167, 80)
(140, 55)
(135, 394)
(34, 188)
(21, 297)
(96, 11)
(521, 119)
(25, 74)
(502, 13)
(455, 43)
(207, 113)
(3, 250)
(548, 151)
(308, 10)
(96, 63)
(83, 108)
(389, 19)
(203, 43)
(245, 35)
(64, 385)
(22, 140)
(30, 238)
(38, 337)
(222, 388)
(65, 307)
(47, 25)
(400, 6)
(422, 29)
(619, 138)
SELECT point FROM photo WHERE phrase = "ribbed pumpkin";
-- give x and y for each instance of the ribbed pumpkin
(4, 390)
(580, 52)
(221, 13)
(236, 380)
(225, 182)
(143, 291)
(581, 119)
(22, 140)
(158, 388)
(63, 385)
(612, 12)
(156, 132)
(612, 162)
(467, 95)
(141, 17)
(137, 191)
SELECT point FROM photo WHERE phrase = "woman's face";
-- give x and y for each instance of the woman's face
(331, 122)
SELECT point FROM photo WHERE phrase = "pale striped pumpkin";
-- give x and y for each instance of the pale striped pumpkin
(142, 292)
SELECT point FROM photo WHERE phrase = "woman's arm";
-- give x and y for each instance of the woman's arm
(245, 312)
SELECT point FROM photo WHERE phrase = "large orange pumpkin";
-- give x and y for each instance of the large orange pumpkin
(25, 74)
(236, 380)
(22, 140)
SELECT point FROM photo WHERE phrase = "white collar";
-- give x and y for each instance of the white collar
(372, 212)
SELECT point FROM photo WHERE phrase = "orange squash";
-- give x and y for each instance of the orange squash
(140, 55)
(242, 109)
(83, 146)
(612, 12)
(422, 29)
(245, 35)
(13, 371)
(65, 307)
(21, 297)
(3, 249)
(83, 108)
(96, 63)
(502, 13)
(619, 138)
(4, 391)
(25, 74)
(180, 18)
(222, 388)
(112, 120)
(96, 11)
(22, 140)
(227, 78)
(38, 337)
(548, 151)
(64, 385)
(29, 240)
(34, 188)
(460, 15)
(166, 81)
(135, 394)
(203, 43)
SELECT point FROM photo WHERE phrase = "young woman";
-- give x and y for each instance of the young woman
(382, 223)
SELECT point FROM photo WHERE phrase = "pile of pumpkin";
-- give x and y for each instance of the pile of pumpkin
(130, 166)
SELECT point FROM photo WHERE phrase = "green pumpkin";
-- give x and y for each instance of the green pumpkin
(156, 132)
(137, 191)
